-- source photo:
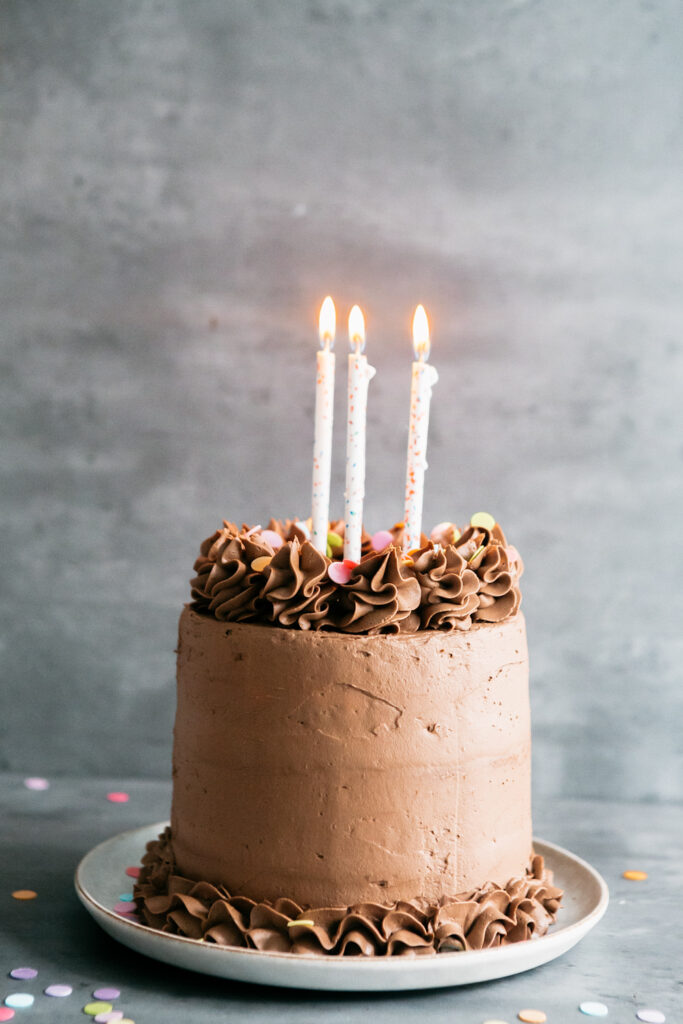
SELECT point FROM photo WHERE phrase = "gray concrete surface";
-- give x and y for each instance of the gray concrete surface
(181, 185)
(629, 961)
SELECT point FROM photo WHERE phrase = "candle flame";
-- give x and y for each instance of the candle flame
(327, 323)
(421, 342)
(356, 329)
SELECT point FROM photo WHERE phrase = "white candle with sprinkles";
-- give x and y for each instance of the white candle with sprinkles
(324, 411)
(360, 375)
(423, 380)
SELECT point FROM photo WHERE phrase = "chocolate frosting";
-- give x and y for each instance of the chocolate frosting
(492, 915)
(475, 579)
(380, 597)
(448, 588)
(297, 585)
(225, 584)
(498, 568)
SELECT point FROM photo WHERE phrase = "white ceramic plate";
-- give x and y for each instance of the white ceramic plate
(100, 879)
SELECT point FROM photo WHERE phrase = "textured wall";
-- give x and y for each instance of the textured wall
(183, 182)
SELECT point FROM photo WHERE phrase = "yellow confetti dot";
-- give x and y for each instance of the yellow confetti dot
(259, 564)
(635, 876)
(305, 923)
(476, 553)
(92, 1009)
(484, 521)
(532, 1016)
(24, 894)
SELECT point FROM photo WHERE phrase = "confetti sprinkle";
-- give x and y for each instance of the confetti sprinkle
(58, 991)
(92, 1009)
(594, 1009)
(651, 1016)
(19, 1000)
(304, 922)
(334, 540)
(635, 876)
(118, 798)
(272, 538)
(486, 522)
(6, 1013)
(259, 564)
(340, 572)
(476, 553)
(23, 973)
(24, 894)
(444, 533)
(381, 540)
(36, 783)
(133, 871)
(126, 897)
(107, 993)
(532, 1016)
(110, 1017)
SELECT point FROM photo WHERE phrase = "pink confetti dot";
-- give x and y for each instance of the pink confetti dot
(109, 1017)
(58, 991)
(122, 908)
(381, 540)
(272, 538)
(118, 798)
(36, 783)
(133, 871)
(6, 1013)
(340, 572)
(107, 994)
(23, 973)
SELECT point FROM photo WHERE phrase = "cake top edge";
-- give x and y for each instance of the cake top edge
(275, 576)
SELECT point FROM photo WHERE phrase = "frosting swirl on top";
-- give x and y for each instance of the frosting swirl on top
(379, 597)
(493, 915)
(498, 567)
(297, 585)
(275, 575)
(448, 588)
(225, 584)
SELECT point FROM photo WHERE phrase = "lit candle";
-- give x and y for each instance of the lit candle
(360, 375)
(324, 410)
(423, 380)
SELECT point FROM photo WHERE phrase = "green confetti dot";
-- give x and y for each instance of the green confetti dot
(92, 1009)
(334, 540)
(483, 520)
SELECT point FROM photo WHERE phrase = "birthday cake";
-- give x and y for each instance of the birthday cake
(351, 766)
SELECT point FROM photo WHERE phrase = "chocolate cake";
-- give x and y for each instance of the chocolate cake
(351, 767)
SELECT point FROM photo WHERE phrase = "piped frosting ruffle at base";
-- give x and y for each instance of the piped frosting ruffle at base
(493, 915)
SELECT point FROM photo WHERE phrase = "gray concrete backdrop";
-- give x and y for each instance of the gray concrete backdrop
(181, 185)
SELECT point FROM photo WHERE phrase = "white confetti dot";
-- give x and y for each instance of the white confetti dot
(19, 1000)
(594, 1009)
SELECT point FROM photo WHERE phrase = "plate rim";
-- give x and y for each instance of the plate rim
(369, 964)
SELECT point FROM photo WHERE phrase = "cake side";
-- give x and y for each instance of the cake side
(332, 769)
